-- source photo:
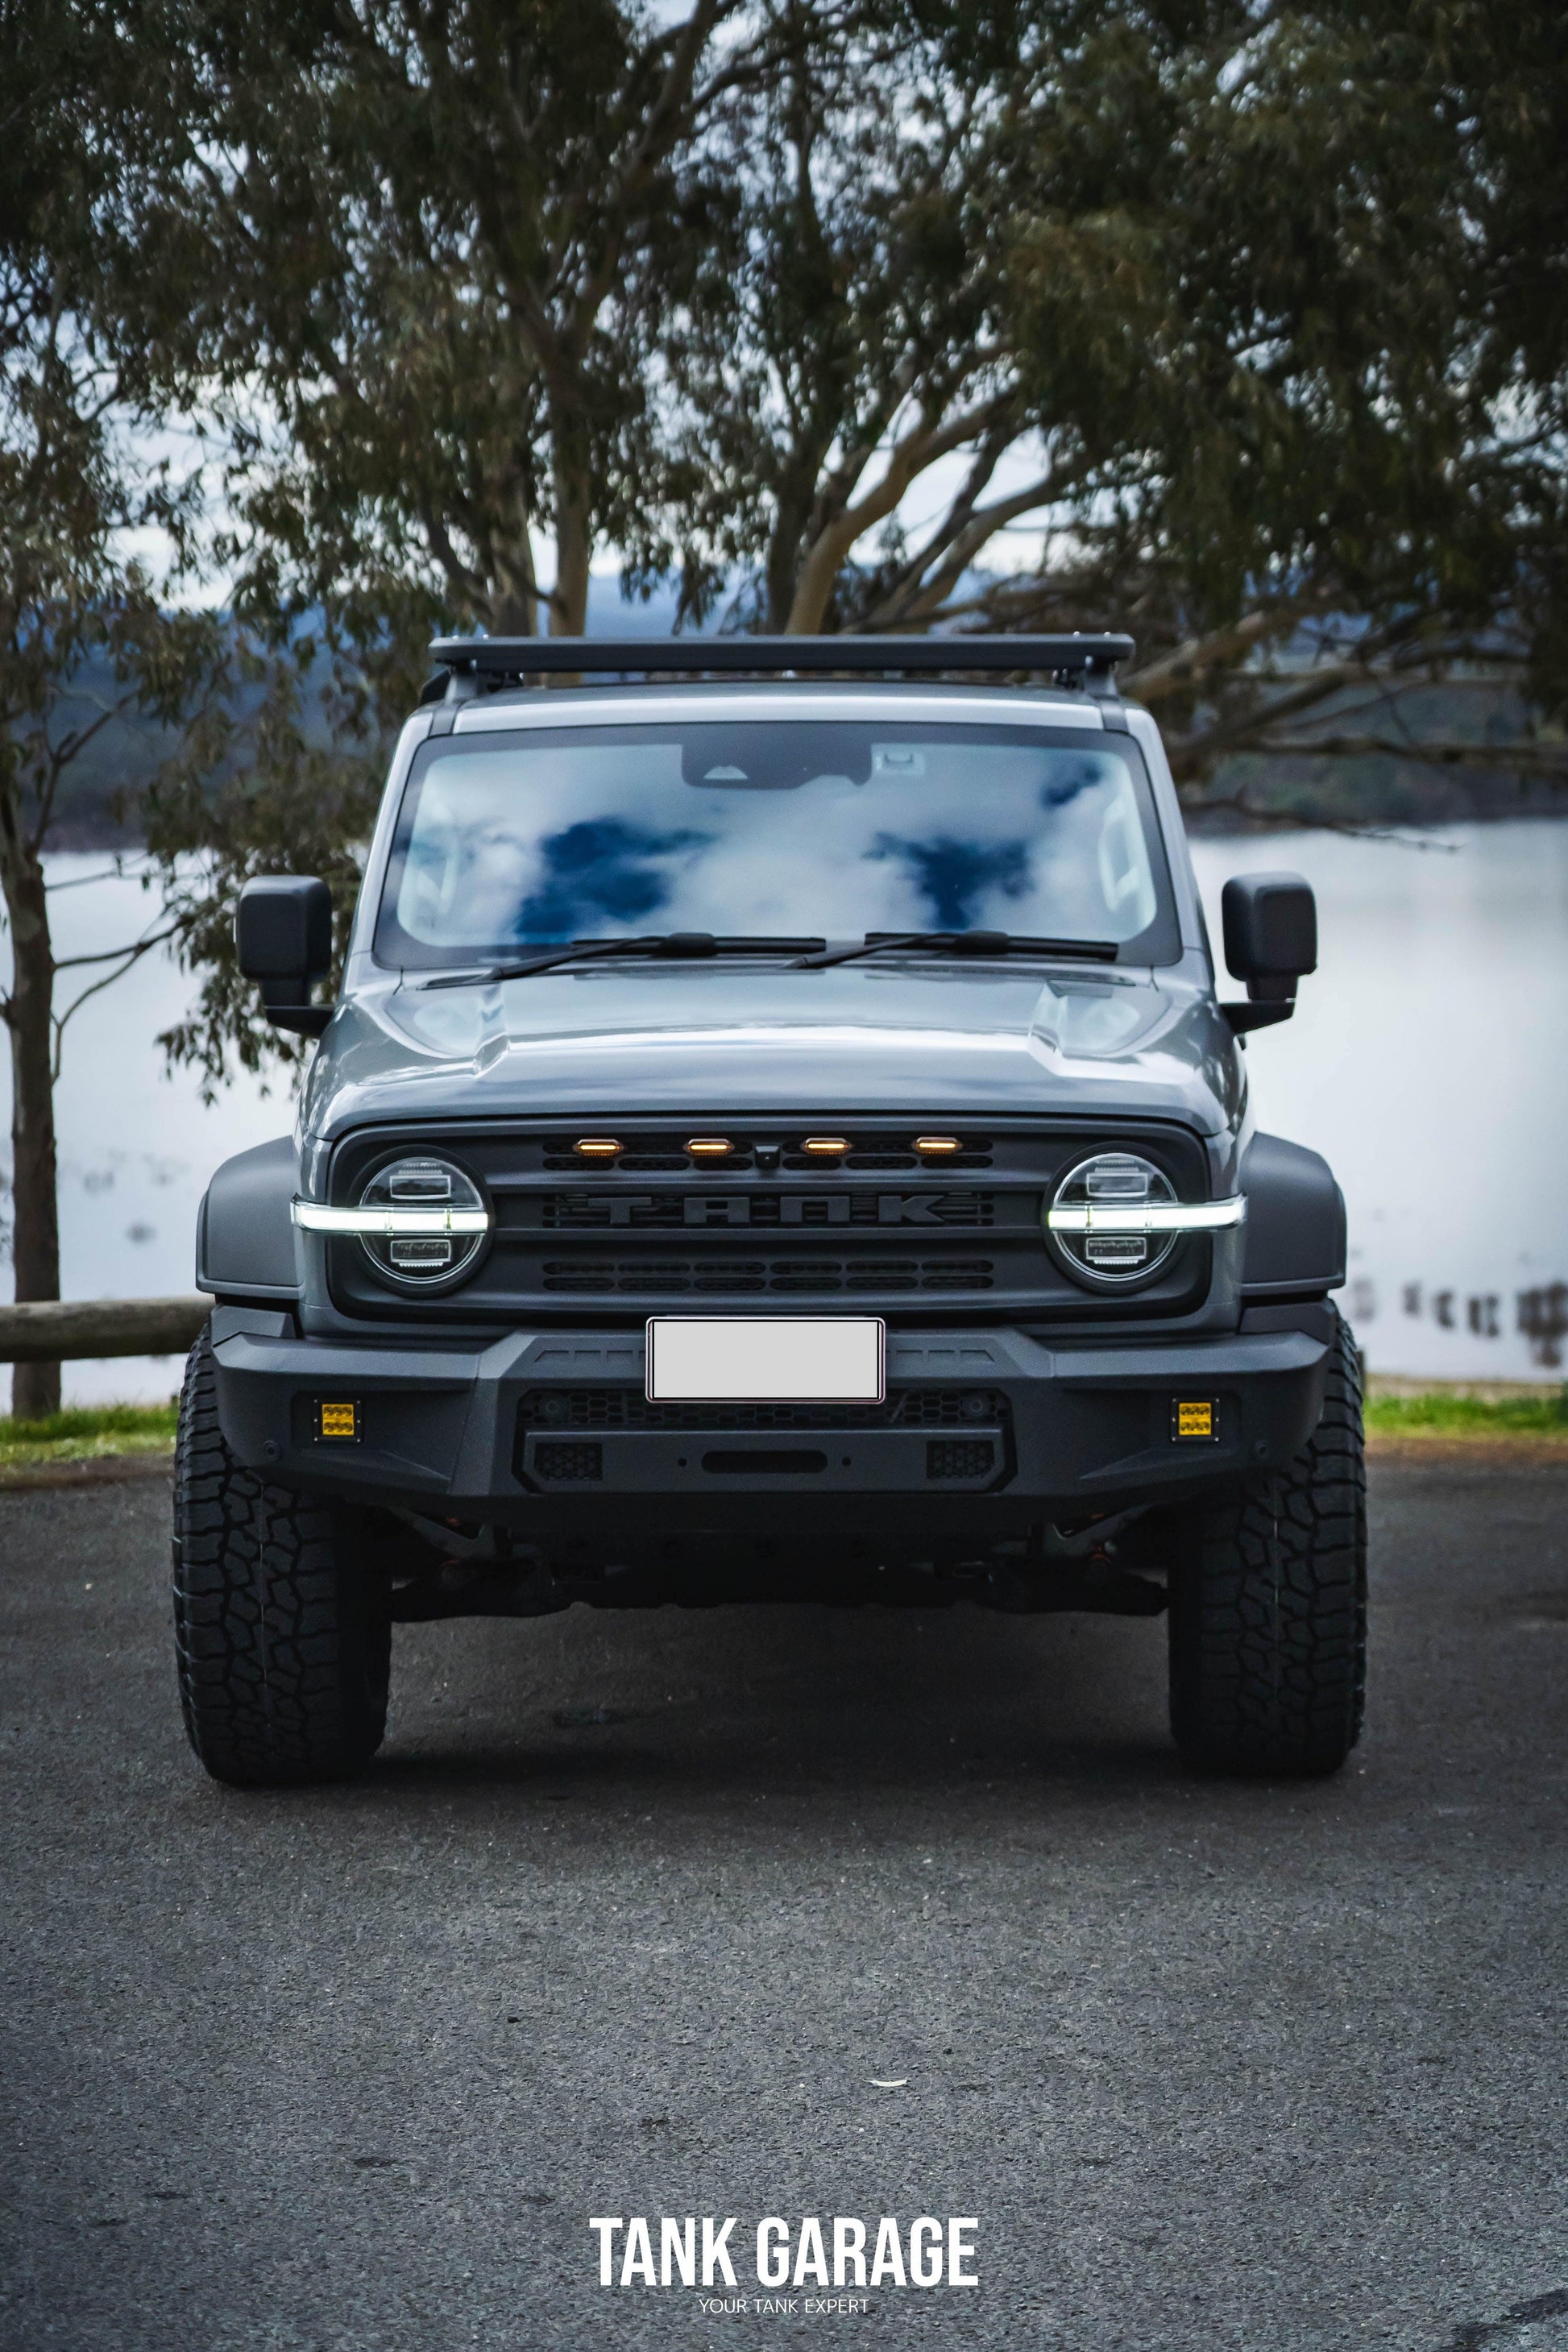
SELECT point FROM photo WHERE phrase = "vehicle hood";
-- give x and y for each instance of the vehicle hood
(724, 1038)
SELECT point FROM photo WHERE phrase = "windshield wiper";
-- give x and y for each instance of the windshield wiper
(974, 943)
(679, 946)
(808, 955)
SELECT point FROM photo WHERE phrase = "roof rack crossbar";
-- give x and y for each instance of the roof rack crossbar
(1088, 660)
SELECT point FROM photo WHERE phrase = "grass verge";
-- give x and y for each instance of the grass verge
(1448, 1412)
(86, 1433)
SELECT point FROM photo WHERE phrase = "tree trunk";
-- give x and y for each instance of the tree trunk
(793, 498)
(36, 1233)
(514, 613)
(514, 601)
(574, 534)
(814, 587)
(782, 562)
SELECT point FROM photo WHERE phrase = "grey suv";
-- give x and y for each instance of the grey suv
(776, 1139)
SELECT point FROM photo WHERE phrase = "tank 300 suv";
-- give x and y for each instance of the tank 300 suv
(777, 1140)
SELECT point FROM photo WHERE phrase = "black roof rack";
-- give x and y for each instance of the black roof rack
(1088, 661)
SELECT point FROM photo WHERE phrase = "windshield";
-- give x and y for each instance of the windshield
(781, 829)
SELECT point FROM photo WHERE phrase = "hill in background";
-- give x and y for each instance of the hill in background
(1384, 789)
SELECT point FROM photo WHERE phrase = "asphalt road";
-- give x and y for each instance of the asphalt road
(633, 1913)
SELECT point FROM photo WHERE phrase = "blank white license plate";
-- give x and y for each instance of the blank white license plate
(830, 1361)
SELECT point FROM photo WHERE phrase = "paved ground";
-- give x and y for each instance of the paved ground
(632, 1911)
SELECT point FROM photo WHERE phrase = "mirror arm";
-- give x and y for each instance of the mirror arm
(1269, 1001)
(286, 1004)
(1243, 1017)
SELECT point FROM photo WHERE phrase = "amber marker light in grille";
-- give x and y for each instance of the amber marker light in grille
(826, 1147)
(937, 1147)
(710, 1147)
(596, 1147)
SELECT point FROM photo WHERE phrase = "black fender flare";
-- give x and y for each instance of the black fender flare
(1295, 1223)
(247, 1246)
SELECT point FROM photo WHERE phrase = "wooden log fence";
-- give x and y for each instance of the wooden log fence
(58, 1331)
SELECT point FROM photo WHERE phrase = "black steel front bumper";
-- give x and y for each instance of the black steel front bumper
(987, 1432)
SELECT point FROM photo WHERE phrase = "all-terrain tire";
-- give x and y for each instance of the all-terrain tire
(280, 1622)
(1267, 1605)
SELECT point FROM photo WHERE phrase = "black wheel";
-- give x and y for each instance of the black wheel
(280, 1621)
(1267, 1615)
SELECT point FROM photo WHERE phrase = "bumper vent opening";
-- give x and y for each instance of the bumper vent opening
(959, 1458)
(625, 1408)
(561, 1461)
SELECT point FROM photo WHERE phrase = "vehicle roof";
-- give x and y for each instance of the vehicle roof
(627, 705)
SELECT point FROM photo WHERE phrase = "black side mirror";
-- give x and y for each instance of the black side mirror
(283, 931)
(1270, 941)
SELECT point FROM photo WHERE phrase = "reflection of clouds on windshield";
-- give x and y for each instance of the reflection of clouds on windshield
(1073, 776)
(950, 875)
(627, 829)
(603, 869)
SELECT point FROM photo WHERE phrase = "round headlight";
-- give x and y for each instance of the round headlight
(1093, 1219)
(439, 1207)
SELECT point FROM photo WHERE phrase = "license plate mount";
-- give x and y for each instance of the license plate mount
(777, 1359)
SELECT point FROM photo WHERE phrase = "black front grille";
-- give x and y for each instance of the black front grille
(587, 1277)
(714, 1210)
(634, 1163)
(975, 1154)
(770, 1228)
(625, 1408)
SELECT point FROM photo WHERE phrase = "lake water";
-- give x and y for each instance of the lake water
(1428, 1060)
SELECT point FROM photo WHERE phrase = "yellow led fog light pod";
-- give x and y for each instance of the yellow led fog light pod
(337, 1418)
(1194, 1417)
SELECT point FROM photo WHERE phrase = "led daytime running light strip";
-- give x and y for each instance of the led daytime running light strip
(1151, 1217)
(389, 1224)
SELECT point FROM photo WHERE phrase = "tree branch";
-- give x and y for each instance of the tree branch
(111, 955)
(910, 605)
(128, 956)
(1190, 661)
(913, 455)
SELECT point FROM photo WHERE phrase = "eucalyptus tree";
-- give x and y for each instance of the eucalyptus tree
(406, 255)
(1336, 470)
(834, 301)
(1226, 309)
(87, 639)
(843, 351)
(432, 237)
